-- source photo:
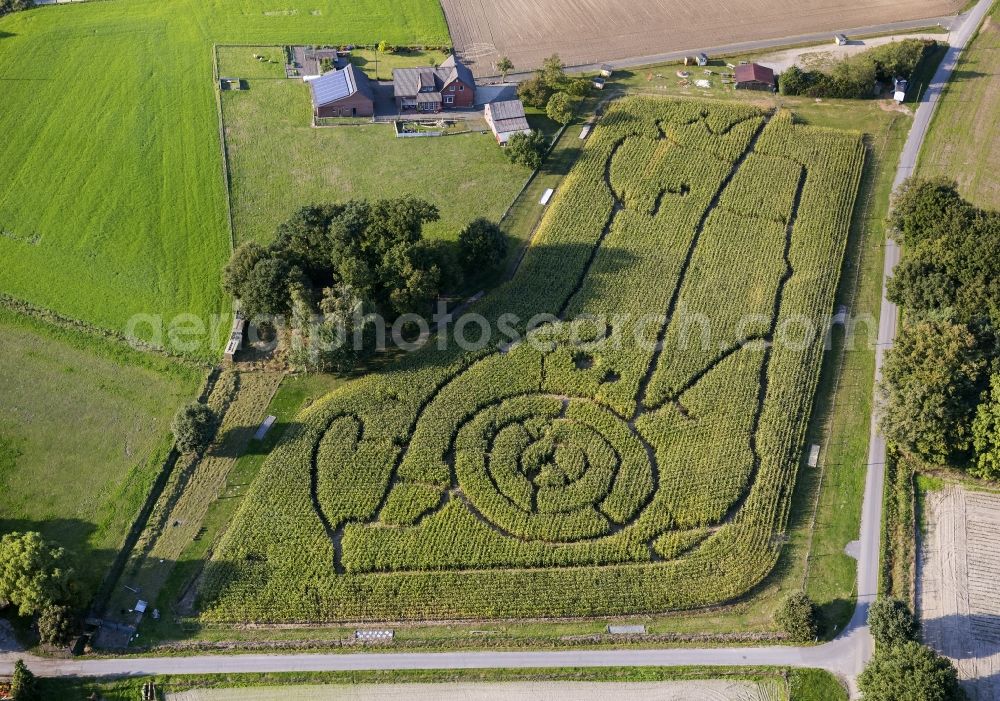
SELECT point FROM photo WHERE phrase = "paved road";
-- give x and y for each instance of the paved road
(844, 656)
(744, 47)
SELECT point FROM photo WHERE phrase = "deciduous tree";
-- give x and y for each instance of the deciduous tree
(33, 573)
(534, 91)
(931, 383)
(482, 246)
(193, 427)
(504, 66)
(561, 108)
(526, 149)
(797, 616)
(909, 672)
(986, 434)
(891, 622)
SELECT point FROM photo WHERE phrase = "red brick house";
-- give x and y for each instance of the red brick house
(449, 86)
(343, 93)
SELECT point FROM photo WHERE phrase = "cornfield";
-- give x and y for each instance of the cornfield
(613, 465)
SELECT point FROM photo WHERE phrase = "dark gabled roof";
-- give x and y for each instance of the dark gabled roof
(457, 69)
(336, 85)
(754, 73)
(507, 116)
(507, 109)
(407, 82)
(514, 124)
(427, 79)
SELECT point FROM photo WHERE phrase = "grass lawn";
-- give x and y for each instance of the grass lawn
(112, 201)
(239, 62)
(379, 66)
(962, 144)
(84, 428)
(278, 163)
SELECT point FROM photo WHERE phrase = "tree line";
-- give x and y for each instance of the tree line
(941, 380)
(8, 6)
(855, 77)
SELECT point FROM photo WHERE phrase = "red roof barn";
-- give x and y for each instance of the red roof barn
(753, 76)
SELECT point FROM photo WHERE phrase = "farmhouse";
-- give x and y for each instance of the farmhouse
(449, 86)
(343, 93)
(753, 76)
(506, 118)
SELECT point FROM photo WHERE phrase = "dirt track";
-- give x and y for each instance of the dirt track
(710, 690)
(591, 31)
(958, 590)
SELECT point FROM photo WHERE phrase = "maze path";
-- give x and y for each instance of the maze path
(578, 474)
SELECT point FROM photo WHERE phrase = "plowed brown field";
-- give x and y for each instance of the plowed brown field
(591, 31)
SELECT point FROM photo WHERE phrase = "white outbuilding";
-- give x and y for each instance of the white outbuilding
(506, 118)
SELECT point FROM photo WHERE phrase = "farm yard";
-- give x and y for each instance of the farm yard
(585, 32)
(278, 162)
(115, 205)
(84, 430)
(448, 487)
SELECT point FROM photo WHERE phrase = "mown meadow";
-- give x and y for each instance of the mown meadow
(113, 202)
(84, 431)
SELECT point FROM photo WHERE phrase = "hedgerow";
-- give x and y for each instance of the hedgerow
(582, 473)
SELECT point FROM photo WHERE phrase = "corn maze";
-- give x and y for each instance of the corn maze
(635, 453)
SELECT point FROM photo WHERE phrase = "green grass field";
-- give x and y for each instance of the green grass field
(112, 201)
(84, 429)
(279, 162)
(962, 144)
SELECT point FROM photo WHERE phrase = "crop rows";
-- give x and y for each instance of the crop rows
(621, 466)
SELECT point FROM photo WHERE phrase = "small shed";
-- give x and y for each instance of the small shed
(702, 59)
(753, 76)
(607, 70)
(506, 118)
(230, 83)
(899, 86)
(840, 40)
(599, 82)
